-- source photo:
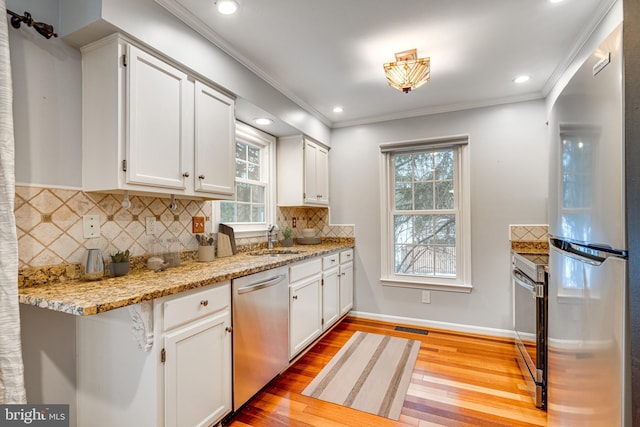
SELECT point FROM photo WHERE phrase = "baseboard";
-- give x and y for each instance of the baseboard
(457, 327)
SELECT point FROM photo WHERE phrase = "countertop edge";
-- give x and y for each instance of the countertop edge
(73, 297)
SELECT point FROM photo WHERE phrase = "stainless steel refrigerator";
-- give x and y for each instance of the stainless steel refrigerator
(587, 263)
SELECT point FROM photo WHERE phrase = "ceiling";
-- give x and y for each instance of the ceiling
(330, 52)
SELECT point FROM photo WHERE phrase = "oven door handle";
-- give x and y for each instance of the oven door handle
(536, 290)
(590, 253)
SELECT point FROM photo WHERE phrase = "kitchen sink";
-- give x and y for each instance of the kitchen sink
(275, 252)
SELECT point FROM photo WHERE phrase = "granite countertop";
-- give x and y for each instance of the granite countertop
(84, 298)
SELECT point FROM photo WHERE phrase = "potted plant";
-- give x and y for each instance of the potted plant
(119, 263)
(287, 240)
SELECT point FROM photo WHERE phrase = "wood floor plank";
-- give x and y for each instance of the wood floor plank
(459, 380)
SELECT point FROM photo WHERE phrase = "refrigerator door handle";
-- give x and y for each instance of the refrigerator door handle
(591, 253)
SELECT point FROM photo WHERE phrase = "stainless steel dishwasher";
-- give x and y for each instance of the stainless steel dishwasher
(260, 331)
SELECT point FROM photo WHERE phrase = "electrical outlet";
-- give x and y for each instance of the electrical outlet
(426, 297)
(150, 223)
(197, 224)
(91, 226)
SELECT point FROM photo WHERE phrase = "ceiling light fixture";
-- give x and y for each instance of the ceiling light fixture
(522, 78)
(408, 72)
(338, 109)
(263, 121)
(227, 7)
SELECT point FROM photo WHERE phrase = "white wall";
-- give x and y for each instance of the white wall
(46, 101)
(508, 161)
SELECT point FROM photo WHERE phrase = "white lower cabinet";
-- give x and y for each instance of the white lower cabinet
(177, 372)
(346, 281)
(330, 291)
(305, 304)
(197, 368)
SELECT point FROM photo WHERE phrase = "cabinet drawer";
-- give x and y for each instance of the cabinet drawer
(304, 269)
(185, 309)
(346, 256)
(330, 261)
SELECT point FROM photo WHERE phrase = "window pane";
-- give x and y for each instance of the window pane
(227, 212)
(241, 169)
(257, 213)
(403, 168)
(243, 192)
(423, 166)
(257, 194)
(253, 172)
(244, 212)
(403, 197)
(443, 165)
(403, 228)
(424, 232)
(444, 195)
(424, 195)
(254, 155)
(241, 151)
(445, 261)
(445, 229)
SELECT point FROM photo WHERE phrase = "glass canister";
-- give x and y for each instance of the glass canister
(172, 256)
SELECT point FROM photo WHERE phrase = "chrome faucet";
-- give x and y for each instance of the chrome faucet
(273, 228)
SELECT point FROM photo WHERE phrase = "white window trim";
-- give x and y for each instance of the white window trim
(462, 283)
(266, 142)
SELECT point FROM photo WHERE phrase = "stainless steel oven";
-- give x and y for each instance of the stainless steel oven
(530, 321)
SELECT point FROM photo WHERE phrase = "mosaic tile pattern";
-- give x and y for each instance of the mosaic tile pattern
(49, 227)
(49, 224)
(529, 238)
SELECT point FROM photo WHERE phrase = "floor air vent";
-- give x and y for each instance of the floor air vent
(412, 330)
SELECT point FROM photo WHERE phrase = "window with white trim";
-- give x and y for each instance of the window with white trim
(425, 214)
(253, 207)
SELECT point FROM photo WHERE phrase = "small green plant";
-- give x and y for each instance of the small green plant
(287, 232)
(120, 256)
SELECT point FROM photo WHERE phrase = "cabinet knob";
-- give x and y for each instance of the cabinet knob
(204, 302)
(228, 329)
(294, 297)
(186, 174)
(201, 177)
(343, 274)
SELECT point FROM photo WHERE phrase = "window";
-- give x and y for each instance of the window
(253, 207)
(425, 224)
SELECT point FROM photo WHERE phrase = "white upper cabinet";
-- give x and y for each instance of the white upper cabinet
(303, 172)
(150, 127)
(157, 104)
(214, 142)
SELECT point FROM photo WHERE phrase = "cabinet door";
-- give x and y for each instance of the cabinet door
(197, 372)
(346, 287)
(305, 313)
(316, 174)
(214, 142)
(330, 297)
(157, 106)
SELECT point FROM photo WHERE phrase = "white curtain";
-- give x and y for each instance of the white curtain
(11, 368)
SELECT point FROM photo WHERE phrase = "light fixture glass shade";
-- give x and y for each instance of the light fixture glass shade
(227, 7)
(408, 72)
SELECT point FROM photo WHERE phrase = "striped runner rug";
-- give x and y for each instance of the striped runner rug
(370, 373)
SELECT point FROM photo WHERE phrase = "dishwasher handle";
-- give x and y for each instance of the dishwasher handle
(261, 285)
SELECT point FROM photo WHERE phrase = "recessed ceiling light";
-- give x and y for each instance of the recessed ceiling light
(555, 1)
(263, 121)
(522, 78)
(227, 7)
(338, 109)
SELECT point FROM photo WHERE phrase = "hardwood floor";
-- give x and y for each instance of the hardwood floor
(459, 380)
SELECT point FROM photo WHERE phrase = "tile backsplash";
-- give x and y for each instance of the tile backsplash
(529, 238)
(50, 232)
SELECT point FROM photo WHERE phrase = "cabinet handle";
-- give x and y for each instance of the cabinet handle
(295, 297)
(201, 177)
(228, 329)
(204, 302)
(186, 174)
